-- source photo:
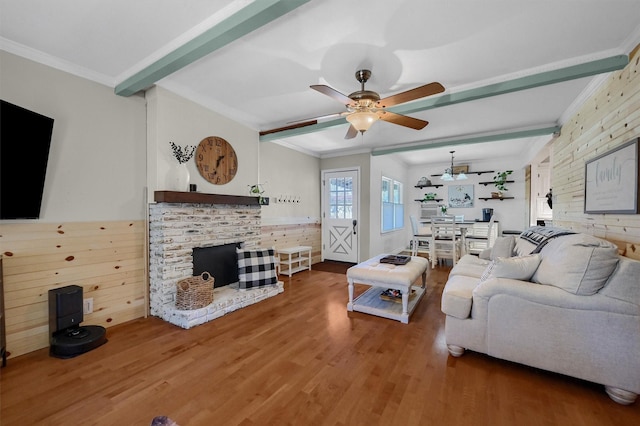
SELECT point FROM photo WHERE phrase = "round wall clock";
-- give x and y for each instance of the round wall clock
(216, 160)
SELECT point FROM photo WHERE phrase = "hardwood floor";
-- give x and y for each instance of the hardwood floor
(296, 359)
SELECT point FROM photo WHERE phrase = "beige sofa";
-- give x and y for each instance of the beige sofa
(571, 307)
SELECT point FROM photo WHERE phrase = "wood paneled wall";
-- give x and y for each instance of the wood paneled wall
(304, 234)
(608, 119)
(107, 259)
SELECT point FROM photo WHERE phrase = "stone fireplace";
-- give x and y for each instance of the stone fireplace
(180, 222)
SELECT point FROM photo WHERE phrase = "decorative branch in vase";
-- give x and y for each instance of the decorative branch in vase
(182, 154)
(179, 176)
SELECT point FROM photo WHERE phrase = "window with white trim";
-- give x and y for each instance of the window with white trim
(392, 216)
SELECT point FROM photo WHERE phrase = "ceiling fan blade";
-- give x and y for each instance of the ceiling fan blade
(351, 133)
(411, 95)
(333, 93)
(293, 126)
(402, 120)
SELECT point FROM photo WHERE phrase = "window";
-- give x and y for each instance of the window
(392, 206)
(341, 198)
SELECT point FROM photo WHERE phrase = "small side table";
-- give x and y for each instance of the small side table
(294, 259)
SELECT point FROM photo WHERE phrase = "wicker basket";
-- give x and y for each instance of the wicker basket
(195, 292)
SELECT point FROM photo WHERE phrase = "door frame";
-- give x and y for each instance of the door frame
(324, 203)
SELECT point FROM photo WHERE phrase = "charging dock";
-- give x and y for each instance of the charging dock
(68, 338)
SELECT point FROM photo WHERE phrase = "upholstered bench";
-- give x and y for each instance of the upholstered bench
(382, 276)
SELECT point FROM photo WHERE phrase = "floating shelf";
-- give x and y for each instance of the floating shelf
(430, 186)
(472, 173)
(424, 201)
(203, 198)
(496, 198)
(492, 182)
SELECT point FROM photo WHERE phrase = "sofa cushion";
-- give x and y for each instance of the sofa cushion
(579, 263)
(457, 296)
(517, 268)
(503, 247)
(623, 283)
(256, 268)
(470, 266)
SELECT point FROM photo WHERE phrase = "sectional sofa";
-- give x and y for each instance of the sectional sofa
(551, 299)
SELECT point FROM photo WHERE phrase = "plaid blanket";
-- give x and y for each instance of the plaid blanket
(540, 236)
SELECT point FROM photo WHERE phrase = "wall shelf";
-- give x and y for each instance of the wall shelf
(496, 198)
(202, 198)
(471, 173)
(492, 182)
(435, 199)
(430, 186)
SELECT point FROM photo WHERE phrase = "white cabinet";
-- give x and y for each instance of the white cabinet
(294, 259)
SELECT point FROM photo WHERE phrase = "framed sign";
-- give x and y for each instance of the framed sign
(460, 195)
(611, 181)
(460, 168)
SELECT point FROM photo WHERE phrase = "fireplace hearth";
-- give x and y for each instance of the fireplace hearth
(176, 231)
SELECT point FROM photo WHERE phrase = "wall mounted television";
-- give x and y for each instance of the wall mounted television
(25, 139)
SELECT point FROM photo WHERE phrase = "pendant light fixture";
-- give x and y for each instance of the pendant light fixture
(448, 173)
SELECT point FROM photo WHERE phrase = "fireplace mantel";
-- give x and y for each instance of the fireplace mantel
(203, 198)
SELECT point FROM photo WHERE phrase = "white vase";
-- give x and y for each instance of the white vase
(178, 178)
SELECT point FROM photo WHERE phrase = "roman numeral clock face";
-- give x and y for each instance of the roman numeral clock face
(216, 160)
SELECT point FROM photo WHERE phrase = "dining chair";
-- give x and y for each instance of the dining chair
(419, 236)
(480, 238)
(445, 240)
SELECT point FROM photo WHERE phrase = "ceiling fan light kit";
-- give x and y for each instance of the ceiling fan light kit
(362, 121)
(365, 107)
(448, 174)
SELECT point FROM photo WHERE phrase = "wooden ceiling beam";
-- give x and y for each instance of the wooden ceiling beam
(241, 23)
(573, 72)
(494, 137)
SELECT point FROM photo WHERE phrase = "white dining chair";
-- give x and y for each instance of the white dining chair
(419, 236)
(445, 240)
(480, 238)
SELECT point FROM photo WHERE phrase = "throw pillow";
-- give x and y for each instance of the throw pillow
(485, 254)
(516, 268)
(580, 263)
(256, 268)
(503, 247)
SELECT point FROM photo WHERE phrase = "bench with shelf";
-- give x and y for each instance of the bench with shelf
(294, 259)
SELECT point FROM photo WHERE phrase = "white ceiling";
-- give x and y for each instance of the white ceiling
(262, 79)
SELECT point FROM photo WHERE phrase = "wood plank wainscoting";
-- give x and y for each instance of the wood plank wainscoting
(106, 258)
(291, 235)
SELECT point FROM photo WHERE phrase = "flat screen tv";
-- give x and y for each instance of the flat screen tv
(25, 138)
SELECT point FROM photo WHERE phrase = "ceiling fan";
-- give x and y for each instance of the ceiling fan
(364, 107)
